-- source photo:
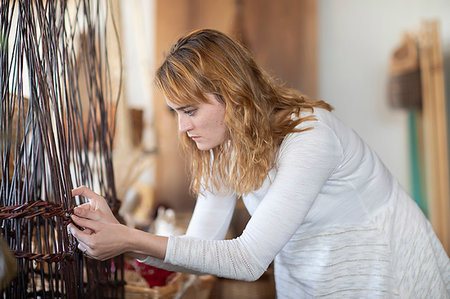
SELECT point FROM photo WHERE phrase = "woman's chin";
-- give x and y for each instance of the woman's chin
(203, 147)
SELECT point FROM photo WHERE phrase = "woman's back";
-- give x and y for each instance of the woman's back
(344, 247)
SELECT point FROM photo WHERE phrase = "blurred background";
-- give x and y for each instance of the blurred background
(383, 65)
(343, 52)
(338, 51)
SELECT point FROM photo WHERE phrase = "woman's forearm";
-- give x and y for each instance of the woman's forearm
(140, 244)
(151, 249)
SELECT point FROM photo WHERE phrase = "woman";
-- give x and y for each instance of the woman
(323, 205)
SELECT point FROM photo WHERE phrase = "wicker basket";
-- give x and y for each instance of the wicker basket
(182, 285)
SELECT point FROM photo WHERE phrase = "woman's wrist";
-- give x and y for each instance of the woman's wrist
(137, 256)
(140, 244)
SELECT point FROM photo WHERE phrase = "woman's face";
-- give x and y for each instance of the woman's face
(203, 123)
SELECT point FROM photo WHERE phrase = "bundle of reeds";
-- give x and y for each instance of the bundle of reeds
(56, 128)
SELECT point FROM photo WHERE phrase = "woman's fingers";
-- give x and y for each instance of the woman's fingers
(86, 192)
(85, 212)
(96, 202)
(84, 208)
(83, 248)
(82, 237)
(85, 223)
(88, 231)
(98, 215)
(86, 205)
(100, 243)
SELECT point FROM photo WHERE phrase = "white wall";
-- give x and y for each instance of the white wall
(356, 38)
(138, 31)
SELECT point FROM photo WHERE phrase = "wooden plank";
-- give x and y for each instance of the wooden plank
(442, 203)
(435, 130)
(427, 117)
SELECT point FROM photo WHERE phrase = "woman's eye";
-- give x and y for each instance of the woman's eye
(190, 112)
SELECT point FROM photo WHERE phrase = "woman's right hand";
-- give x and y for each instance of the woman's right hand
(103, 237)
(96, 209)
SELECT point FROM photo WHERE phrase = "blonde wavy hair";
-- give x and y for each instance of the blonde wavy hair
(258, 110)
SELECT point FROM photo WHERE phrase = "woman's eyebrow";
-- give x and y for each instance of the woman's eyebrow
(180, 108)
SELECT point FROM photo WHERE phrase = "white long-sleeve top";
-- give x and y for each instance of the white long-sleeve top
(331, 215)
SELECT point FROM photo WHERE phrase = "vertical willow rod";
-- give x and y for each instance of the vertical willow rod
(57, 121)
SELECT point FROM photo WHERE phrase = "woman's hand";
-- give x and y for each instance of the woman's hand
(104, 237)
(99, 238)
(96, 209)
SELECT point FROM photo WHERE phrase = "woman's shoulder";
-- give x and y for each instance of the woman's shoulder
(319, 118)
(317, 131)
(317, 115)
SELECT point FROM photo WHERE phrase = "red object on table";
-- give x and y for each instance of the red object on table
(154, 276)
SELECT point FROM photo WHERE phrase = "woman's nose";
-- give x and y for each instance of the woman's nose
(184, 124)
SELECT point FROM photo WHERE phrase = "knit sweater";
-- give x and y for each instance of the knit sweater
(331, 216)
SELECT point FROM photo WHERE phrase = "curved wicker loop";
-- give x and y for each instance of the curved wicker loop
(48, 258)
(46, 210)
(35, 208)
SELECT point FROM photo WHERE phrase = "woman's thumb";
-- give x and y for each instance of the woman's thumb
(85, 212)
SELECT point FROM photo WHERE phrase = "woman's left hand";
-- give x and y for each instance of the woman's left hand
(99, 240)
(96, 209)
(101, 237)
